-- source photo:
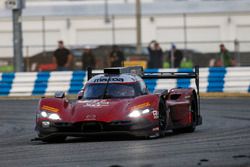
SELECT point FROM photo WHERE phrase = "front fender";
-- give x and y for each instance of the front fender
(151, 100)
(61, 106)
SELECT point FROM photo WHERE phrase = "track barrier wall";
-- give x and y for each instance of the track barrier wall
(229, 80)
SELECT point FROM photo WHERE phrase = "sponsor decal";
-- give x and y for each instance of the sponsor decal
(90, 117)
(140, 106)
(48, 108)
(155, 114)
(156, 129)
(110, 80)
(97, 103)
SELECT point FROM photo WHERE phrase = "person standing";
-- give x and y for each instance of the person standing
(62, 57)
(224, 57)
(88, 59)
(116, 57)
(155, 55)
(176, 57)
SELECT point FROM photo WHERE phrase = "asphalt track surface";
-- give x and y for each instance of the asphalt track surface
(222, 140)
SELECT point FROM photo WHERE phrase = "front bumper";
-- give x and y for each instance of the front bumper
(138, 127)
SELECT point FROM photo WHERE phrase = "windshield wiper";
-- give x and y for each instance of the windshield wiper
(105, 89)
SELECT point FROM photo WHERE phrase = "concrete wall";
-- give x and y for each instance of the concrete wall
(204, 31)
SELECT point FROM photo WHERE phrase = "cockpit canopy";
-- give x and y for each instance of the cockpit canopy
(114, 86)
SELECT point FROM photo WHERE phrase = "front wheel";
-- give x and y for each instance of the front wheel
(162, 118)
(162, 122)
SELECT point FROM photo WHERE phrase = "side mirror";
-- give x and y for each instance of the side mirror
(80, 95)
(59, 94)
(161, 92)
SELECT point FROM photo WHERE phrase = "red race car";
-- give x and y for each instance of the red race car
(118, 102)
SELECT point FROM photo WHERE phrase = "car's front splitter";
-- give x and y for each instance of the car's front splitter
(139, 128)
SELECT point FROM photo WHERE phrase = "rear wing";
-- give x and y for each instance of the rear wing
(175, 75)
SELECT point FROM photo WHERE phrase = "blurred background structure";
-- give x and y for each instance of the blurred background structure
(197, 27)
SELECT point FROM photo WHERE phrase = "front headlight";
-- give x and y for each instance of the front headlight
(135, 114)
(146, 111)
(138, 113)
(52, 116)
(44, 114)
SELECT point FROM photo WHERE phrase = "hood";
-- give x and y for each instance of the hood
(105, 110)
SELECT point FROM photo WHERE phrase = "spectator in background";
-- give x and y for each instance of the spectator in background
(155, 55)
(175, 57)
(224, 58)
(88, 58)
(62, 57)
(116, 57)
(212, 62)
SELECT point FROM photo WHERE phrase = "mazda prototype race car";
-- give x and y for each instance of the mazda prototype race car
(117, 101)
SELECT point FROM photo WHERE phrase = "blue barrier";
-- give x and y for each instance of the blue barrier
(151, 83)
(216, 79)
(184, 83)
(6, 83)
(76, 82)
(235, 79)
(41, 83)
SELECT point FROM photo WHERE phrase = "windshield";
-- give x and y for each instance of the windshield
(113, 90)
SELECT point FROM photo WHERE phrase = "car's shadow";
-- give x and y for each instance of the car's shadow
(106, 138)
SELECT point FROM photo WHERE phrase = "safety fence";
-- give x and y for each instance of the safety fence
(235, 79)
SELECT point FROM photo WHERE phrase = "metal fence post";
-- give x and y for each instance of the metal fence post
(138, 27)
(44, 35)
(27, 59)
(16, 6)
(17, 40)
(237, 51)
(113, 30)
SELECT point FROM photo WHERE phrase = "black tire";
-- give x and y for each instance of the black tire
(162, 121)
(162, 117)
